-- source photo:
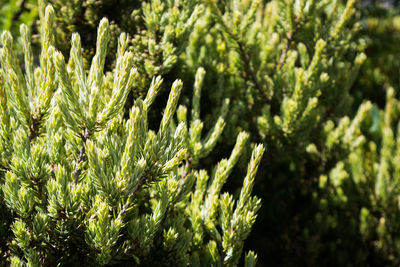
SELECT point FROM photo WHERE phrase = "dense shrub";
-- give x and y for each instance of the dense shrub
(82, 184)
(92, 173)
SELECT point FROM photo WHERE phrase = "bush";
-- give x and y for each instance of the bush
(306, 78)
(83, 184)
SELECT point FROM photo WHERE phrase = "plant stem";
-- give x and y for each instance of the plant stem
(78, 170)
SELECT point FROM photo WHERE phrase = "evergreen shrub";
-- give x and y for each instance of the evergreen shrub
(84, 184)
(97, 169)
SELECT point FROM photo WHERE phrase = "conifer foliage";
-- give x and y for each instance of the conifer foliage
(364, 189)
(118, 134)
(159, 31)
(84, 184)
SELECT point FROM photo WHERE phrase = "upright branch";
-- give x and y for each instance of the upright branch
(34, 128)
(236, 23)
(250, 71)
(78, 168)
(79, 101)
(130, 199)
(289, 39)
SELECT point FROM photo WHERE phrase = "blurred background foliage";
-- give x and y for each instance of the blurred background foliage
(15, 12)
